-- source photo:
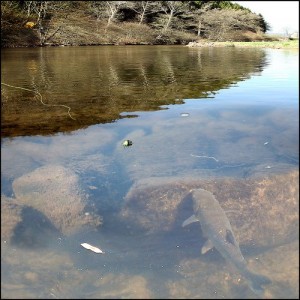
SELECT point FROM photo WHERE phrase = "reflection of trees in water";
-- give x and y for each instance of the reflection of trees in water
(40, 73)
(159, 71)
(170, 75)
(144, 77)
(167, 70)
(99, 83)
(113, 82)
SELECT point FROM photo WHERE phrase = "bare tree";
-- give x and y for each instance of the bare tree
(28, 5)
(286, 32)
(43, 11)
(40, 10)
(218, 24)
(197, 14)
(142, 8)
(171, 9)
(112, 8)
(105, 9)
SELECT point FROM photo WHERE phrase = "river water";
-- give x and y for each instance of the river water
(221, 119)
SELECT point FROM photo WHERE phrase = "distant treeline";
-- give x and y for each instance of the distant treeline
(214, 20)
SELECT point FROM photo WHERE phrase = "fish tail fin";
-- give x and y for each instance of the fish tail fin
(257, 281)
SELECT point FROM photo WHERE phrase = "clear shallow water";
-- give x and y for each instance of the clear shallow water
(239, 140)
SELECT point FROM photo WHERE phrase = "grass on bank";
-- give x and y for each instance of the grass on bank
(262, 44)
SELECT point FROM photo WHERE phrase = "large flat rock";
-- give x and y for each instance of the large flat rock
(263, 211)
(56, 192)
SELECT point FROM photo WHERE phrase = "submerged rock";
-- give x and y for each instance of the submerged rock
(56, 192)
(263, 211)
(25, 226)
(10, 217)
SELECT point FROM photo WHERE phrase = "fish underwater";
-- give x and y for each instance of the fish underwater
(216, 227)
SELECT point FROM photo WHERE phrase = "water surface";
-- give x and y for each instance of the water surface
(223, 119)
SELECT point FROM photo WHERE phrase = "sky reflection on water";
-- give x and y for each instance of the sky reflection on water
(243, 144)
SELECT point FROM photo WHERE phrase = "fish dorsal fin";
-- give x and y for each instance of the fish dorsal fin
(229, 237)
(190, 220)
(207, 246)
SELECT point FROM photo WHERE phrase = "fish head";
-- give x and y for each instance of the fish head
(201, 199)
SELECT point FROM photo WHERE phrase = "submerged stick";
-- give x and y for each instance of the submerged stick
(41, 98)
(204, 156)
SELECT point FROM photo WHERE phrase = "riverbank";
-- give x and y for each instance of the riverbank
(288, 44)
(79, 28)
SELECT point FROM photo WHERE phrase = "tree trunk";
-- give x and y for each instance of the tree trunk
(199, 28)
(144, 6)
(142, 17)
(169, 21)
